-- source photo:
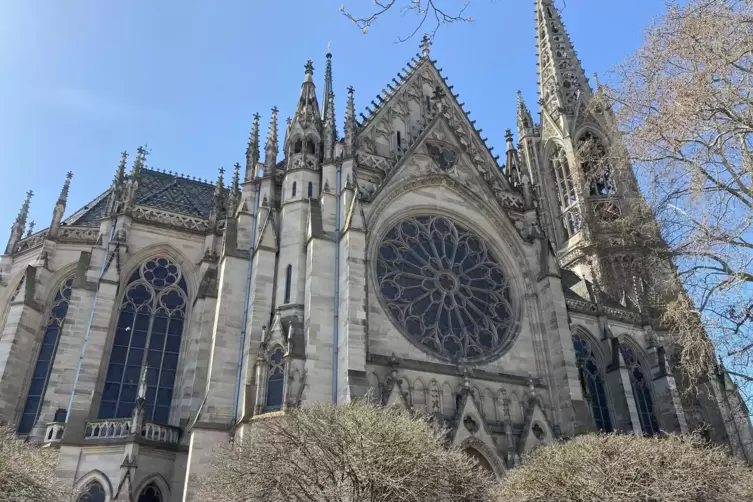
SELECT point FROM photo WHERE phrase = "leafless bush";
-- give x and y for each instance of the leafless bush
(615, 468)
(357, 452)
(27, 471)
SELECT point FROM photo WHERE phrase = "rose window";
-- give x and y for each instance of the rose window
(444, 288)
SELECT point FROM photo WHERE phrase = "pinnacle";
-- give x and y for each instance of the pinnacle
(425, 46)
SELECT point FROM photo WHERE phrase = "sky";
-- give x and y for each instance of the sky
(83, 80)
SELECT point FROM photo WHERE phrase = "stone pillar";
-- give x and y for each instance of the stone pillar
(203, 441)
(19, 344)
(319, 322)
(351, 369)
(625, 417)
(569, 406)
(667, 403)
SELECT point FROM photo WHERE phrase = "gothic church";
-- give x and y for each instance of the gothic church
(400, 261)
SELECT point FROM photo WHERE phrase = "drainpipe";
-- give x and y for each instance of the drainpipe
(114, 222)
(242, 351)
(336, 334)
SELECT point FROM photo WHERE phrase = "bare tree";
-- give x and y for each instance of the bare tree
(27, 471)
(683, 105)
(343, 453)
(432, 14)
(627, 468)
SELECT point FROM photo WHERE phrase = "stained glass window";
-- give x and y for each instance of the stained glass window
(151, 494)
(149, 331)
(45, 357)
(594, 382)
(444, 288)
(641, 392)
(275, 380)
(94, 492)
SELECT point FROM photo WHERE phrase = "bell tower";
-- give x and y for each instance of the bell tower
(583, 189)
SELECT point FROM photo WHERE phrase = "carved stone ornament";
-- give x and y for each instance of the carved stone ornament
(443, 156)
(470, 424)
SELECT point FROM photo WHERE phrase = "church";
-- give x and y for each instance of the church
(401, 262)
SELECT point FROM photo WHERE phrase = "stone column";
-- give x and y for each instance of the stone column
(667, 404)
(625, 416)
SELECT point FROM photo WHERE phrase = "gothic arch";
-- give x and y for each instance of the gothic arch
(641, 380)
(190, 272)
(487, 453)
(592, 363)
(99, 477)
(159, 480)
(580, 330)
(596, 132)
(46, 341)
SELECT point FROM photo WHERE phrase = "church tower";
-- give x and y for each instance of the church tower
(583, 191)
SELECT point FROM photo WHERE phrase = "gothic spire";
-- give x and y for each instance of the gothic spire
(233, 194)
(329, 134)
(561, 76)
(23, 214)
(512, 166)
(219, 187)
(252, 151)
(271, 149)
(138, 164)
(17, 230)
(57, 213)
(63, 198)
(307, 112)
(425, 46)
(120, 171)
(350, 123)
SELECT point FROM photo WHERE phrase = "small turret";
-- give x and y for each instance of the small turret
(304, 142)
(350, 124)
(57, 214)
(19, 225)
(252, 151)
(512, 164)
(233, 195)
(115, 200)
(329, 132)
(272, 147)
(132, 185)
(425, 46)
(525, 120)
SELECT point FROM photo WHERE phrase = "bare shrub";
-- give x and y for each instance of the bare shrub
(356, 452)
(27, 471)
(616, 468)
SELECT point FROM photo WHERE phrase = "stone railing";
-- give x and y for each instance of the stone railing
(54, 432)
(30, 242)
(108, 429)
(79, 234)
(121, 428)
(181, 221)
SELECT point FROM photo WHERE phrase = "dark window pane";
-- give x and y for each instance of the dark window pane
(154, 359)
(128, 394)
(135, 357)
(37, 386)
(26, 423)
(167, 379)
(274, 393)
(40, 370)
(170, 361)
(125, 409)
(115, 373)
(160, 324)
(138, 339)
(157, 340)
(173, 344)
(110, 392)
(94, 493)
(142, 322)
(161, 414)
(164, 397)
(107, 409)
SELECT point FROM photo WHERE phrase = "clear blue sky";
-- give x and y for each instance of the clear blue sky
(82, 80)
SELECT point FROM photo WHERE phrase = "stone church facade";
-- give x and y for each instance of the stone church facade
(401, 262)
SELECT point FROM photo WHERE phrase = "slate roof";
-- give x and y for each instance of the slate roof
(160, 190)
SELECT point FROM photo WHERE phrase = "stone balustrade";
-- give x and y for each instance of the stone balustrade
(121, 428)
(54, 432)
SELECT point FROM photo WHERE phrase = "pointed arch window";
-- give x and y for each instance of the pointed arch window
(46, 355)
(151, 493)
(311, 190)
(94, 492)
(593, 382)
(295, 186)
(310, 147)
(288, 282)
(275, 380)
(641, 392)
(565, 185)
(297, 146)
(595, 165)
(149, 332)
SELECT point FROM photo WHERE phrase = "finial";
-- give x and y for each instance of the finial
(271, 148)
(252, 151)
(350, 122)
(31, 229)
(63, 198)
(120, 171)
(425, 45)
(309, 67)
(138, 164)
(236, 178)
(329, 49)
(23, 214)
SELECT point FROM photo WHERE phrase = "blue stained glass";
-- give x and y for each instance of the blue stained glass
(641, 392)
(592, 374)
(275, 380)
(159, 290)
(151, 494)
(45, 357)
(94, 493)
